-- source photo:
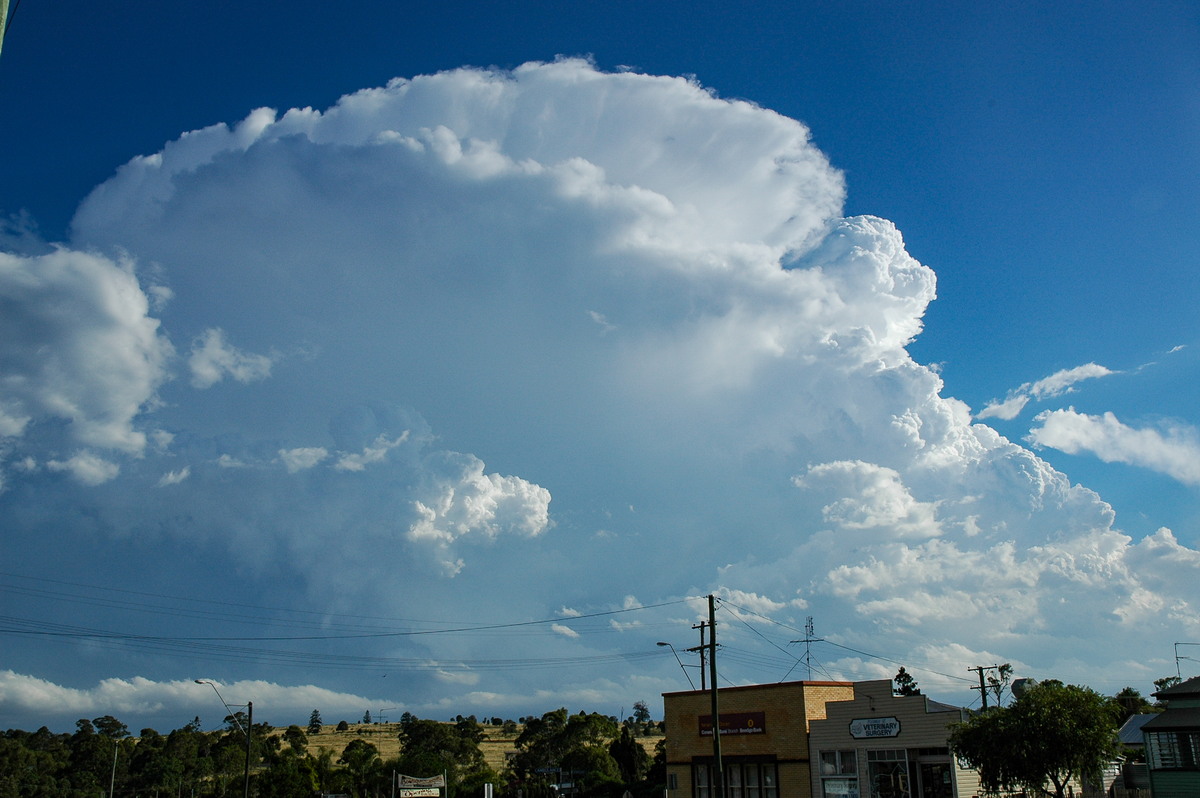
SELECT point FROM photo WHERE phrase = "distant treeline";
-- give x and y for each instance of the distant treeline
(601, 757)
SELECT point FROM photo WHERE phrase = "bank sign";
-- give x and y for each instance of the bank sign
(735, 723)
(866, 728)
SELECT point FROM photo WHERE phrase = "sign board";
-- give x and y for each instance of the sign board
(735, 723)
(416, 781)
(420, 792)
(866, 728)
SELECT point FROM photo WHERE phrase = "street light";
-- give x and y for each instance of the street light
(245, 731)
(682, 667)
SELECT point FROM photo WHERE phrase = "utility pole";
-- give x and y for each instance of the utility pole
(701, 649)
(718, 770)
(981, 669)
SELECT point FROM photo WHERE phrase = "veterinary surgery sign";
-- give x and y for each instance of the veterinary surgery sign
(867, 728)
(735, 723)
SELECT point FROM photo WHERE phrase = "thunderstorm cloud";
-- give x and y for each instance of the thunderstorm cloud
(516, 305)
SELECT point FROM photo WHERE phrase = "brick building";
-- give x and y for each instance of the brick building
(764, 738)
(814, 740)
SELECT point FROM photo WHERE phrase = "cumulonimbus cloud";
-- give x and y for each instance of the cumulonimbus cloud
(618, 290)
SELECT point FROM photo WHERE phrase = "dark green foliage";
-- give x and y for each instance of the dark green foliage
(429, 748)
(1130, 702)
(632, 760)
(314, 722)
(577, 746)
(905, 684)
(362, 761)
(1164, 683)
(1051, 734)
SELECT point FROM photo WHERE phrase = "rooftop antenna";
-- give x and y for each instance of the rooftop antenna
(809, 631)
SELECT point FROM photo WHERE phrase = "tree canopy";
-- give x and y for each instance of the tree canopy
(1051, 734)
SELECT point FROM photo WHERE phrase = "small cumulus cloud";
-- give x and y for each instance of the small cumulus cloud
(1173, 450)
(174, 477)
(564, 630)
(87, 468)
(374, 453)
(1056, 384)
(302, 458)
(460, 677)
(213, 359)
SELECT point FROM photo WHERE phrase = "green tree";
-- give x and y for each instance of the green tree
(576, 744)
(1130, 702)
(367, 716)
(1164, 683)
(296, 739)
(314, 722)
(632, 760)
(361, 758)
(429, 747)
(904, 683)
(1051, 734)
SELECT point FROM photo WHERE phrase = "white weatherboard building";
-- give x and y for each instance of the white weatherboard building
(880, 745)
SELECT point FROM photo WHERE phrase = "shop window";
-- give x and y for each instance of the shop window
(839, 774)
(887, 774)
(742, 780)
(839, 763)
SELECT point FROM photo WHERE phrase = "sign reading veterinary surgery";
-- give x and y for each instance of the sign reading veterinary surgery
(861, 728)
(735, 723)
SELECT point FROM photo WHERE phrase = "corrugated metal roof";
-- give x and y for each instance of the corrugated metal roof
(1174, 720)
(1131, 729)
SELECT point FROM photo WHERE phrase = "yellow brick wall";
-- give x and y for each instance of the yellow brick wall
(788, 710)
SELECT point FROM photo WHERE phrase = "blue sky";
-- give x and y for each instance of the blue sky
(629, 304)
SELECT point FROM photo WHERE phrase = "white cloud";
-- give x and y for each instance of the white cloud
(302, 458)
(169, 699)
(1173, 450)
(375, 453)
(464, 500)
(213, 359)
(1007, 410)
(564, 630)
(174, 477)
(1056, 384)
(619, 290)
(871, 498)
(1064, 381)
(86, 467)
(77, 344)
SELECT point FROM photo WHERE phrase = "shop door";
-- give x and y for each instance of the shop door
(935, 780)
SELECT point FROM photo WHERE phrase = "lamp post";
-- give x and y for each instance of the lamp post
(245, 731)
(682, 667)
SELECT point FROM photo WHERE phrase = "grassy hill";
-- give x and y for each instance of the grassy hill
(385, 737)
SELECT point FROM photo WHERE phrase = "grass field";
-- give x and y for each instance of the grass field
(385, 737)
